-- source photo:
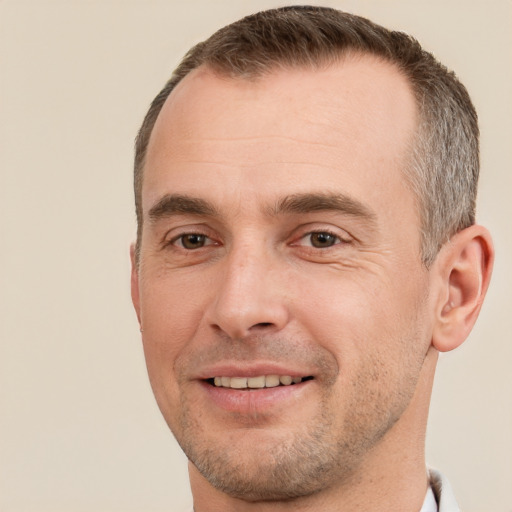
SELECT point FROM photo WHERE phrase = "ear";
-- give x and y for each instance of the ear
(463, 267)
(135, 283)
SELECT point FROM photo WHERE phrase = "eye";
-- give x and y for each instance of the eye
(191, 241)
(322, 239)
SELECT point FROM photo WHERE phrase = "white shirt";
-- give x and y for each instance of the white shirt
(430, 503)
(443, 492)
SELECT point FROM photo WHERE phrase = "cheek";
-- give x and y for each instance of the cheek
(337, 302)
(356, 313)
(171, 305)
(170, 315)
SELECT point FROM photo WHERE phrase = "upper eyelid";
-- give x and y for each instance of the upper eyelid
(194, 229)
(184, 233)
(173, 242)
(179, 238)
(340, 239)
(311, 228)
(297, 233)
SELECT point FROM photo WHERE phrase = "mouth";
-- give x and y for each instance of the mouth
(261, 389)
(255, 383)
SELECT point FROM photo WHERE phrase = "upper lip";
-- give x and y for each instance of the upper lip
(247, 369)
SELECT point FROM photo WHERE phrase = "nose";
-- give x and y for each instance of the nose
(251, 295)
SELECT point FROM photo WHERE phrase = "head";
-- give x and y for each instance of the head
(444, 158)
(296, 188)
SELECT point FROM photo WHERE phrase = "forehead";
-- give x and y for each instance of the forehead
(355, 120)
(364, 86)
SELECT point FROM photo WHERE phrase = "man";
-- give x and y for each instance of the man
(305, 190)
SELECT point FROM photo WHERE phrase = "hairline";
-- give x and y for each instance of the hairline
(410, 158)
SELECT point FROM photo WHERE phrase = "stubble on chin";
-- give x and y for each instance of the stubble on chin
(263, 464)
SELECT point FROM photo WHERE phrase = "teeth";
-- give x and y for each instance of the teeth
(271, 381)
(256, 382)
(238, 382)
(263, 381)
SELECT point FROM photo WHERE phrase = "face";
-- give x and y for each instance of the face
(280, 285)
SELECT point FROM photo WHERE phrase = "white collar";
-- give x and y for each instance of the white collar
(430, 503)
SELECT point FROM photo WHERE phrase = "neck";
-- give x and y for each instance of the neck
(392, 477)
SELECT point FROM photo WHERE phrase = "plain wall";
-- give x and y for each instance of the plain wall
(79, 428)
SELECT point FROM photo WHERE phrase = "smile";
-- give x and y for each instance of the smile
(259, 391)
(260, 382)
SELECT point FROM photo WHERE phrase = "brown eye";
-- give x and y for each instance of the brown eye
(192, 241)
(322, 239)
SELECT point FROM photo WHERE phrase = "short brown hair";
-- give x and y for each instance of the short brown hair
(444, 165)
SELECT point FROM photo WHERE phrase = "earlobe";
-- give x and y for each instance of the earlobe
(464, 266)
(135, 283)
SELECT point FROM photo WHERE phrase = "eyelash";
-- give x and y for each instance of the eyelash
(182, 236)
(338, 240)
(178, 240)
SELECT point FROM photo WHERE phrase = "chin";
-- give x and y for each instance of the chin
(268, 479)
(260, 466)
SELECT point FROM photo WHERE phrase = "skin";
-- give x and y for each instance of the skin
(280, 237)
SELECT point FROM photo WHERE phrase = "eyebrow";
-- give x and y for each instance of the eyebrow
(175, 204)
(317, 202)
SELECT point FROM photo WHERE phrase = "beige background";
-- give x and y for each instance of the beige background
(79, 430)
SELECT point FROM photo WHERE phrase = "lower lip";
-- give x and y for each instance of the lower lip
(254, 400)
